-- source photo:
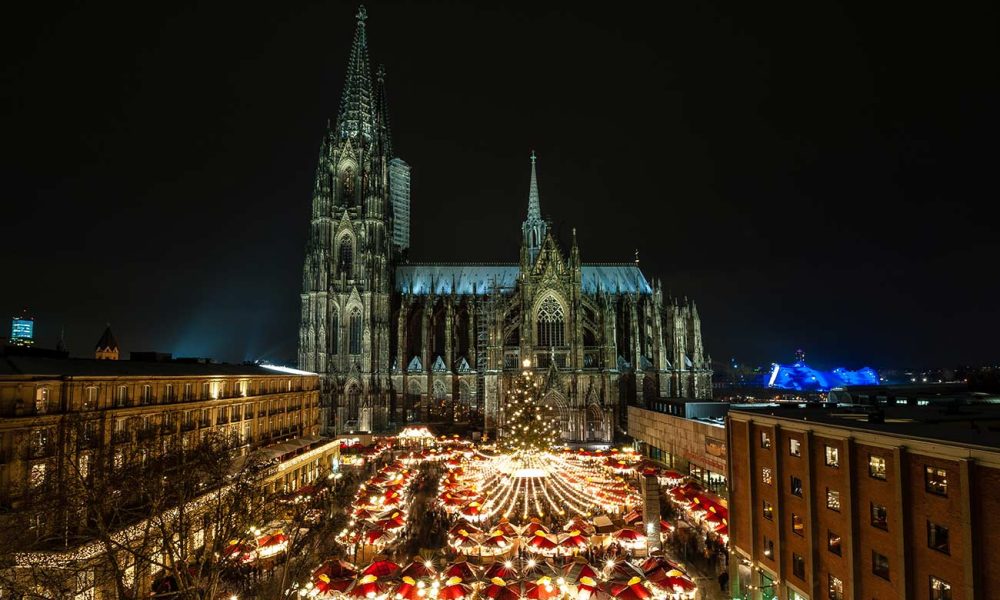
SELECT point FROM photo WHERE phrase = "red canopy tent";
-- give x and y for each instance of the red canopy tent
(532, 527)
(541, 589)
(504, 570)
(627, 534)
(461, 569)
(334, 576)
(633, 589)
(499, 589)
(574, 540)
(419, 569)
(382, 568)
(454, 589)
(541, 541)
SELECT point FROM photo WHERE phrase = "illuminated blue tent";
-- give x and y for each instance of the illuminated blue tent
(801, 377)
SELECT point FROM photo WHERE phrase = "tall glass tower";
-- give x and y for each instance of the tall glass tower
(22, 330)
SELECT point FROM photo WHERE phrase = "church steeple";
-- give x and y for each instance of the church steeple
(382, 114)
(356, 117)
(533, 228)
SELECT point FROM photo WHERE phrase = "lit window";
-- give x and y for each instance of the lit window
(765, 475)
(795, 447)
(833, 542)
(936, 480)
(880, 565)
(880, 516)
(765, 440)
(940, 589)
(37, 475)
(833, 499)
(876, 467)
(84, 466)
(798, 525)
(796, 486)
(937, 537)
(799, 566)
(90, 398)
(121, 396)
(836, 588)
(768, 511)
(832, 456)
(769, 548)
(42, 400)
(147, 393)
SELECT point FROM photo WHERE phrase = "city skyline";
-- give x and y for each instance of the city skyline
(179, 214)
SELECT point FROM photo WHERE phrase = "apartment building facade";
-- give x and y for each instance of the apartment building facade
(834, 503)
(66, 421)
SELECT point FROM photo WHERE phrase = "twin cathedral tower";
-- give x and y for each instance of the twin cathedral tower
(399, 342)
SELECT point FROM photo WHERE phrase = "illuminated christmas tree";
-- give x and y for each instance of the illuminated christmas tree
(528, 424)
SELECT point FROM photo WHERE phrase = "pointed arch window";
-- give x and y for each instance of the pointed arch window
(335, 332)
(551, 323)
(355, 333)
(353, 402)
(346, 184)
(345, 258)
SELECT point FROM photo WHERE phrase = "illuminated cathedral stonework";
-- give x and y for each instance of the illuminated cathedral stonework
(399, 342)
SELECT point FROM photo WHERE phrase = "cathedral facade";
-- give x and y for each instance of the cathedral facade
(399, 342)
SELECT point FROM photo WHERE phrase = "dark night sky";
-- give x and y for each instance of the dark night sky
(814, 175)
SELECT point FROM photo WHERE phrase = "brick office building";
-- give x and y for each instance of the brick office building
(832, 503)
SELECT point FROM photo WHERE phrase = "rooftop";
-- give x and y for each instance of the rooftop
(449, 278)
(85, 367)
(967, 425)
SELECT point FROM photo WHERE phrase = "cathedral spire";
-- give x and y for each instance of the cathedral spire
(534, 207)
(382, 113)
(533, 228)
(356, 117)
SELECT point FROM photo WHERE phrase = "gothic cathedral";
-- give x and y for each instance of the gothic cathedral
(400, 342)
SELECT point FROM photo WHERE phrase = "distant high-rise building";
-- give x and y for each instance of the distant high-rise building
(399, 192)
(107, 346)
(22, 330)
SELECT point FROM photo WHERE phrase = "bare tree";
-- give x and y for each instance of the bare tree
(182, 517)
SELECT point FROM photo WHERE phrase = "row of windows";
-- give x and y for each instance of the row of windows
(939, 589)
(831, 456)
(41, 440)
(879, 513)
(937, 539)
(121, 393)
(935, 479)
